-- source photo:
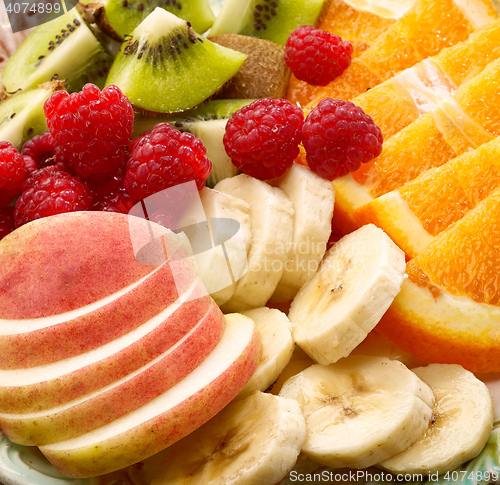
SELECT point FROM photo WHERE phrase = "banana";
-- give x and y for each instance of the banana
(357, 281)
(271, 214)
(377, 344)
(460, 427)
(276, 351)
(254, 441)
(312, 199)
(298, 362)
(360, 409)
(230, 230)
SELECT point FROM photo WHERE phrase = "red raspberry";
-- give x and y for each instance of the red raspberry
(29, 165)
(50, 191)
(162, 158)
(12, 173)
(338, 137)
(91, 128)
(263, 137)
(6, 221)
(111, 195)
(41, 149)
(317, 56)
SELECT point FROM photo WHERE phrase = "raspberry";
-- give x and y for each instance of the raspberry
(316, 56)
(29, 165)
(6, 221)
(338, 137)
(162, 158)
(91, 128)
(110, 195)
(262, 139)
(12, 173)
(41, 149)
(50, 191)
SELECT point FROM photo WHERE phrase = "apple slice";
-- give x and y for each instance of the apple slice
(122, 396)
(43, 387)
(170, 416)
(62, 294)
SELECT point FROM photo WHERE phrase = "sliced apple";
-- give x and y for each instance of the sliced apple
(43, 387)
(121, 396)
(62, 294)
(170, 416)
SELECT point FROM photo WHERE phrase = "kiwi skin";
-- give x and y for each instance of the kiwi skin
(264, 74)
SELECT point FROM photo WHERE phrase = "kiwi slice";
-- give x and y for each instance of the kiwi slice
(65, 49)
(166, 67)
(264, 74)
(21, 115)
(123, 16)
(207, 122)
(267, 19)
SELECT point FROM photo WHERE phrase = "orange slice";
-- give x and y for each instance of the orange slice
(427, 28)
(423, 208)
(463, 121)
(357, 25)
(448, 309)
(397, 102)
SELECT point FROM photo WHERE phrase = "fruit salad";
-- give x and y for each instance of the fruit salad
(251, 242)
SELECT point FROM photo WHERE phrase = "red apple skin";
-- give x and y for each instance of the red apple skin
(156, 434)
(118, 401)
(40, 276)
(63, 262)
(73, 385)
(87, 332)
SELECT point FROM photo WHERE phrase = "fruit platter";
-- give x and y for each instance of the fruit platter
(249, 242)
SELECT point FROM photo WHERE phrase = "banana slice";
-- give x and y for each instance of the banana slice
(231, 231)
(360, 409)
(357, 281)
(298, 362)
(254, 441)
(276, 351)
(271, 214)
(460, 427)
(312, 199)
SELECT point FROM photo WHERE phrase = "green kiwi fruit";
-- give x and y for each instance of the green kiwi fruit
(267, 19)
(21, 115)
(264, 74)
(121, 17)
(207, 122)
(64, 48)
(164, 66)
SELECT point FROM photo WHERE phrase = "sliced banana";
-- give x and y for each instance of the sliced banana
(356, 283)
(460, 427)
(277, 348)
(271, 214)
(360, 409)
(254, 441)
(231, 231)
(298, 362)
(313, 198)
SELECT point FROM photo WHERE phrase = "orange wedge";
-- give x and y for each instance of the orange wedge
(360, 26)
(463, 121)
(427, 28)
(397, 102)
(421, 209)
(448, 309)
